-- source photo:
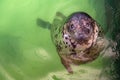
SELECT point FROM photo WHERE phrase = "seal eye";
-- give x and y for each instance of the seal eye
(71, 27)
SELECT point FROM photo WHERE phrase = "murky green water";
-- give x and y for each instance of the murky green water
(26, 50)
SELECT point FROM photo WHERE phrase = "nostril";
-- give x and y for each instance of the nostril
(81, 36)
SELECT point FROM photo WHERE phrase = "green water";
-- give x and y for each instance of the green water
(26, 50)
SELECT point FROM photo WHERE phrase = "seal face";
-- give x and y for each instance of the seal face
(77, 39)
(80, 31)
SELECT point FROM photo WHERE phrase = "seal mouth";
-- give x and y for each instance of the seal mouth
(81, 36)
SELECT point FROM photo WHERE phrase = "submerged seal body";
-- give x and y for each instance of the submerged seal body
(78, 38)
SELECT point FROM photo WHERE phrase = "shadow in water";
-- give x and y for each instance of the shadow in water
(9, 49)
(10, 57)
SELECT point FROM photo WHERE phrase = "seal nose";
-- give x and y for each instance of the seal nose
(81, 36)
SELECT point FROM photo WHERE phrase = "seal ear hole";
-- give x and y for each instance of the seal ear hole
(65, 46)
(66, 42)
(66, 38)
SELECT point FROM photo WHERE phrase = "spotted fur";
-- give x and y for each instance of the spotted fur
(76, 39)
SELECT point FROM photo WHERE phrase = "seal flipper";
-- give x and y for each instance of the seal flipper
(66, 62)
(43, 24)
(46, 24)
(61, 15)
